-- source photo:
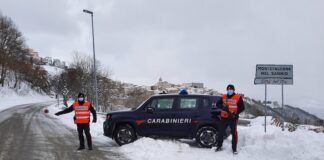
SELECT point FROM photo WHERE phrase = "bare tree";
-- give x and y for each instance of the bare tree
(15, 64)
(136, 96)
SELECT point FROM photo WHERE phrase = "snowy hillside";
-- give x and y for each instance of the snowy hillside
(291, 114)
(314, 106)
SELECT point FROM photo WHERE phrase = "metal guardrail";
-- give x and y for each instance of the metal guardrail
(244, 122)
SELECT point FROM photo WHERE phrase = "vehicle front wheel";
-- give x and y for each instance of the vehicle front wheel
(207, 136)
(124, 134)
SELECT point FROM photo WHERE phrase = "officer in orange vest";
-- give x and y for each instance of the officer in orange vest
(82, 111)
(230, 106)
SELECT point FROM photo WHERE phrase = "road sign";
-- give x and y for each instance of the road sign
(274, 81)
(273, 74)
(274, 71)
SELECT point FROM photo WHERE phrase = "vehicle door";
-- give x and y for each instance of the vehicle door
(157, 115)
(186, 113)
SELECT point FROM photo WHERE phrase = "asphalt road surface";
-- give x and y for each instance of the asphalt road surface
(26, 133)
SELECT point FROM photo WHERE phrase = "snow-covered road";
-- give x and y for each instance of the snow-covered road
(28, 133)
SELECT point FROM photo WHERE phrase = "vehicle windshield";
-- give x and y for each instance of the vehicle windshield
(141, 104)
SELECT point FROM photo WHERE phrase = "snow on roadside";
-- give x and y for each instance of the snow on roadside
(253, 144)
(11, 97)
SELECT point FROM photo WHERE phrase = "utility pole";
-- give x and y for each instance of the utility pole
(95, 88)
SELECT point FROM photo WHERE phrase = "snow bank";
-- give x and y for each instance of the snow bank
(150, 149)
(253, 144)
(11, 97)
(277, 144)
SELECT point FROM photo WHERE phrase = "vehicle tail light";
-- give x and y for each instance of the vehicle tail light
(108, 116)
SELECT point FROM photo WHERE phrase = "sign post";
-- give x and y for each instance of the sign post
(282, 106)
(265, 107)
(273, 75)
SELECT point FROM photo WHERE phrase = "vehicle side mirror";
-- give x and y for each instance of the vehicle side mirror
(150, 110)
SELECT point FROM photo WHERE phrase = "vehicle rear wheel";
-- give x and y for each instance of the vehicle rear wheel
(207, 137)
(124, 134)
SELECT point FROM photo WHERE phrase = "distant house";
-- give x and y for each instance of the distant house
(154, 87)
(163, 85)
(58, 63)
(197, 85)
(32, 56)
(63, 64)
(47, 60)
(193, 85)
(36, 60)
(172, 90)
(32, 53)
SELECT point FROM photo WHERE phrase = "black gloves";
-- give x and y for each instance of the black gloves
(226, 109)
(57, 114)
(94, 120)
(234, 115)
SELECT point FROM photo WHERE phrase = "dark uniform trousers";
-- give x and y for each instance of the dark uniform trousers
(232, 123)
(86, 129)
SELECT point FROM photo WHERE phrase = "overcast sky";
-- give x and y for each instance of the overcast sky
(211, 41)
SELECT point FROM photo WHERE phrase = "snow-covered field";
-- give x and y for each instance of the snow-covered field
(254, 144)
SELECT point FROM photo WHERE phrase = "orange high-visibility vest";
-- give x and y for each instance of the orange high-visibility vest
(231, 103)
(82, 112)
